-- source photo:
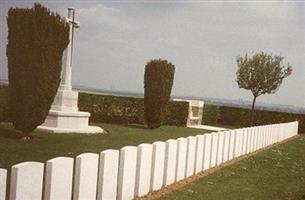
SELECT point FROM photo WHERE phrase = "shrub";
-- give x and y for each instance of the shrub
(127, 110)
(234, 116)
(158, 82)
(210, 114)
(4, 103)
(36, 41)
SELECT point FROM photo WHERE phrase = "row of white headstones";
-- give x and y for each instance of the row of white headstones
(135, 171)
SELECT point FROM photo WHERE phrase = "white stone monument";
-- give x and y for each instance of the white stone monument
(64, 116)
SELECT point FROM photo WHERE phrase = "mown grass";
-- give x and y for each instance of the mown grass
(46, 146)
(274, 174)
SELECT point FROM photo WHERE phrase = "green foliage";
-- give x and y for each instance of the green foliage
(262, 73)
(112, 109)
(127, 110)
(158, 82)
(176, 113)
(210, 115)
(36, 41)
(233, 116)
(4, 116)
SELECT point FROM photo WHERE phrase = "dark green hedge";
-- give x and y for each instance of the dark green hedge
(112, 109)
(36, 41)
(127, 110)
(158, 83)
(4, 103)
(233, 116)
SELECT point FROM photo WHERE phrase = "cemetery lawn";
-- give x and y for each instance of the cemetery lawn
(46, 146)
(277, 173)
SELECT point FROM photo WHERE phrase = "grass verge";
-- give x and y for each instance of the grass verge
(277, 173)
(46, 145)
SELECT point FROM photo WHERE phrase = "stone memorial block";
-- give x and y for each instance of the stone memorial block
(26, 181)
(207, 151)
(232, 144)
(190, 156)
(221, 137)
(226, 145)
(181, 158)
(199, 153)
(59, 176)
(108, 175)
(85, 178)
(170, 162)
(214, 146)
(157, 171)
(127, 173)
(3, 177)
(143, 170)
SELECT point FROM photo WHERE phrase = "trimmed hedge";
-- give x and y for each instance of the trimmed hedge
(158, 83)
(233, 116)
(36, 39)
(112, 109)
(4, 116)
(127, 110)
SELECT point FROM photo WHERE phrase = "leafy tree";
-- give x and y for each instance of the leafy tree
(261, 73)
(36, 41)
(158, 82)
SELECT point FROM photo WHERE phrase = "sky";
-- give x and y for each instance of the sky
(201, 38)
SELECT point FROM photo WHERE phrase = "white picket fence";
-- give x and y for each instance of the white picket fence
(135, 171)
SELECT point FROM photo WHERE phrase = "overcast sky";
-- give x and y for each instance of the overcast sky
(202, 39)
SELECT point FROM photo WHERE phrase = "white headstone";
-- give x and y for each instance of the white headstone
(239, 141)
(85, 178)
(127, 173)
(170, 162)
(59, 176)
(26, 181)
(207, 151)
(235, 147)
(232, 145)
(181, 158)
(249, 140)
(226, 146)
(214, 144)
(199, 153)
(157, 171)
(108, 175)
(3, 176)
(221, 137)
(242, 136)
(190, 156)
(143, 170)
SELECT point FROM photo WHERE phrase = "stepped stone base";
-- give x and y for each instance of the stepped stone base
(64, 116)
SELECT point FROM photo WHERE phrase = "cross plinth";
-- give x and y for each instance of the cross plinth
(64, 116)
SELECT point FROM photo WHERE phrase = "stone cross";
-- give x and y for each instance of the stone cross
(67, 55)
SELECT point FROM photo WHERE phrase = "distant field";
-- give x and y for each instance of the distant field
(274, 174)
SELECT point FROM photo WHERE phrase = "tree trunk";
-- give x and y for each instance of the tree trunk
(25, 136)
(252, 111)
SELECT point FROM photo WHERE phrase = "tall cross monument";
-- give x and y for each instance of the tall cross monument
(64, 116)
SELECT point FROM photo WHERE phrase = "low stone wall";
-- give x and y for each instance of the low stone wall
(135, 171)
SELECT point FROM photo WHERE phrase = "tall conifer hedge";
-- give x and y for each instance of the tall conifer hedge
(158, 82)
(37, 38)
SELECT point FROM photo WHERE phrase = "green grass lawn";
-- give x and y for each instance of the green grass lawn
(46, 146)
(274, 174)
